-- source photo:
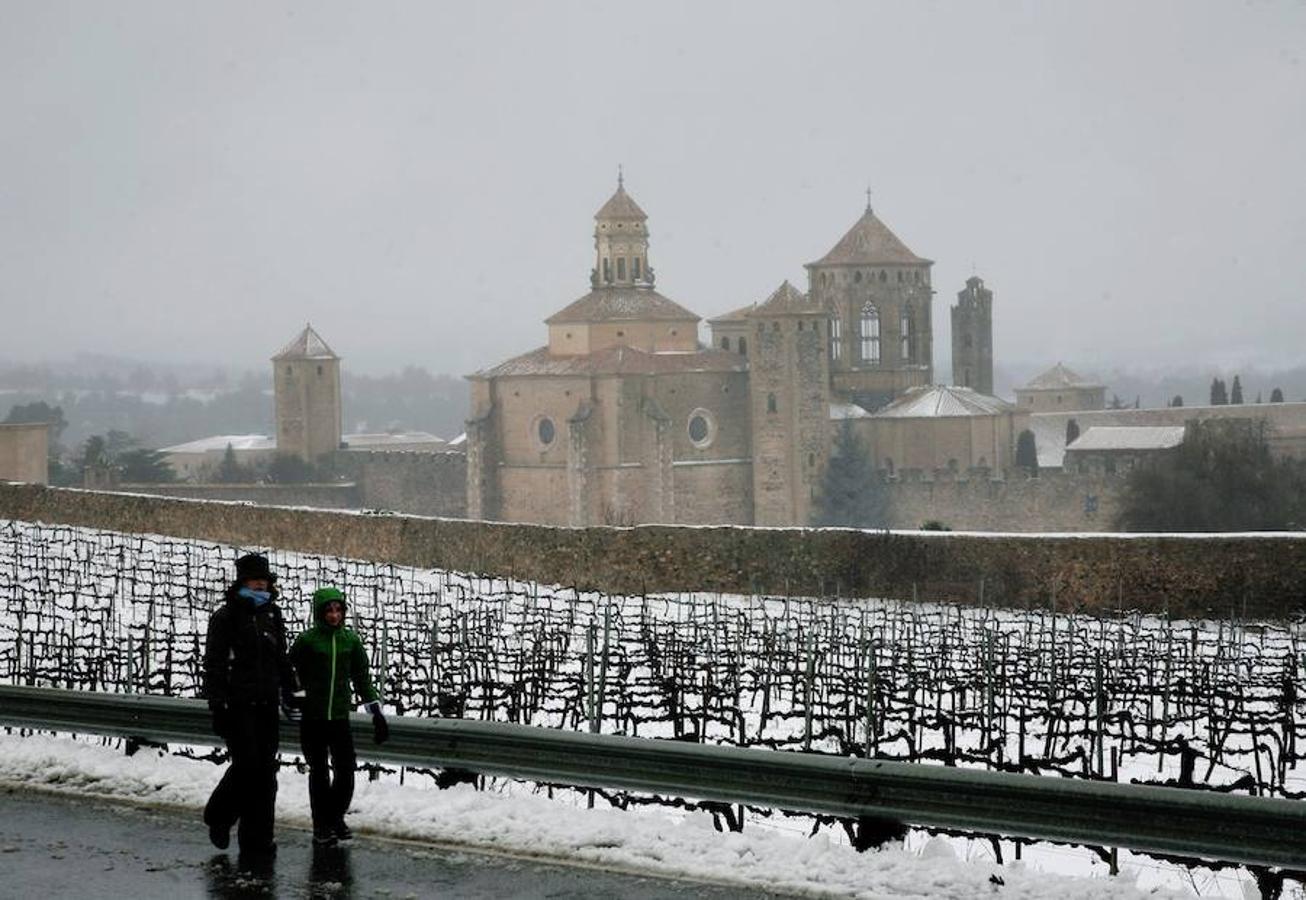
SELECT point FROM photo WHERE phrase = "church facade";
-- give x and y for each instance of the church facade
(623, 417)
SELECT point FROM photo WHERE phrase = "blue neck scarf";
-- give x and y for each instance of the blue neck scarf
(258, 598)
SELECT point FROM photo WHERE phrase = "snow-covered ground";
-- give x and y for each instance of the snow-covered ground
(976, 686)
(652, 840)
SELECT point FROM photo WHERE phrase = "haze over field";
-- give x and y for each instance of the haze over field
(192, 182)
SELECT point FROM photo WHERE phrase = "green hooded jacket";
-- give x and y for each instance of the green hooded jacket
(329, 662)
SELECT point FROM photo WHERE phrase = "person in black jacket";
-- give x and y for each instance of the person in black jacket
(247, 680)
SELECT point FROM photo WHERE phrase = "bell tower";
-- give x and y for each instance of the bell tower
(306, 379)
(621, 242)
(972, 337)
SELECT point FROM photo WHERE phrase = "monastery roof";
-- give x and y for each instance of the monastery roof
(1058, 378)
(942, 401)
(631, 304)
(869, 242)
(619, 360)
(222, 441)
(308, 344)
(382, 439)
(735, 315)
(787, 300)
(620, 206)
(1129, 437)
(840, 410)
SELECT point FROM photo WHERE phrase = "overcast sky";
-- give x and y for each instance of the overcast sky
(194, 181)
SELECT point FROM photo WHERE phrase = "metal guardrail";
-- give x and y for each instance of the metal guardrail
(1236, 829)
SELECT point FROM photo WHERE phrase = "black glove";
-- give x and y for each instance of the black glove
(380, 728)
(221, 722)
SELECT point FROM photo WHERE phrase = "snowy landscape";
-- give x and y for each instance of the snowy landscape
(1131, 697)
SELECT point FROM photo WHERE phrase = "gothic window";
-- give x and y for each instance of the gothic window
(836, 339)
(906, 328)
(635, 263)
(884, 276)
(916, 276)
(621, 268)
(743, 347)
(857, 277)
(607, 270)
(900, 276)
(725, 343)
(870, 334)
(770, 403)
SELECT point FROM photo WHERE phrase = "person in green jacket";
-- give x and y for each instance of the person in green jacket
(332, 666)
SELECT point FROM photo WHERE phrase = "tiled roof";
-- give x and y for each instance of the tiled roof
(942, 401)
(631, 304)
(1058, 378)
(308, 344)
(735, 315)
(617, 361)
(1127, 437)
(869, 242)
(620, 206)
(788, 300)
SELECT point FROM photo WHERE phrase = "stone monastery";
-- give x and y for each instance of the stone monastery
(623, 417)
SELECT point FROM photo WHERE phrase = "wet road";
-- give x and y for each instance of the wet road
(53, 846)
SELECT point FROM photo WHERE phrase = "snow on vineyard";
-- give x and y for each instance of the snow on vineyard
(1129, 697)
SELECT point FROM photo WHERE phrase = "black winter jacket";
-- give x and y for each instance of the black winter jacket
(245, 657)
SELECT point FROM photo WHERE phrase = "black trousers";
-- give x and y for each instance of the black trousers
(330, 787)
(247, 792)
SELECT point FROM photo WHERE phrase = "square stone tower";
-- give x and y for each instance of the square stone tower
(306, 378)
(972, 337)
(789, 386)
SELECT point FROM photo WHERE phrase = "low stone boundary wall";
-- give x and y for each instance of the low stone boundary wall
(1200, 575)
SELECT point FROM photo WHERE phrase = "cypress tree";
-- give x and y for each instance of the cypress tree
(852, 493)
(1276, 395)
(1219, 394)
(1027, 452)
(1236, 395)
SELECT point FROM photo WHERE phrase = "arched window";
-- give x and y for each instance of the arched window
(743, 347)
(836, 339)
(857, 277)
(635, 263)
(607, 270)
(770, 403)
(621, 268)
(906, 327)
(884, 276)
(725, 343)
(870, 334)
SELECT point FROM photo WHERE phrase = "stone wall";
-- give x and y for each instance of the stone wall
(1216, 575)
(24, 452)
(422, 483)
(1054, 501)
(318, 496)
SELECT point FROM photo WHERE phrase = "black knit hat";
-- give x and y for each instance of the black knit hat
(253, 566)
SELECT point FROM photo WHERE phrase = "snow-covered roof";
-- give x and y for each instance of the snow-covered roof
(942, 401)
(369, 440)
(222, 441)
(840, 411)
(308, 344)
(1129, 437)
(1059, 377)
(459, 441)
